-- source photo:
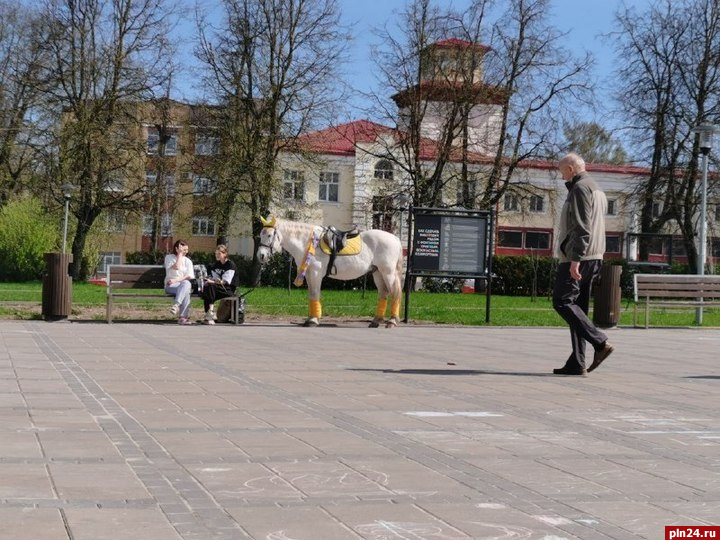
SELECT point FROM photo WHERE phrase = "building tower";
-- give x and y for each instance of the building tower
(452, 95)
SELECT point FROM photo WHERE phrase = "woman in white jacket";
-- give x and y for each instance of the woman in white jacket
(178, 273)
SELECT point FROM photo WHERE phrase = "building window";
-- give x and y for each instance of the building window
(511, 203)
(148, 225)
(612, 207)
(510, 239)
(537, 204)
(171, 145)
(715, 247)
(717, 212)
(166, 225)
(384, 169)
(153, 143)
(382, 213)
(294, 185)
(169, 185)
(203, 226)
(115, 182)
(114, 221)
(206, 145)
(656, 209)
(530, 240)
(203, 185)
(329, 185)
(537, 240)
(678, 247)
(656, 245)
(612, 244)
(106, 259)
(460, 196)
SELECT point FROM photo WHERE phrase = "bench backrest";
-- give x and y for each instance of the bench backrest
(676, 286)
(135, 276)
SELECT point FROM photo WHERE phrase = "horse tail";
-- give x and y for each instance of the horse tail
(399, 274)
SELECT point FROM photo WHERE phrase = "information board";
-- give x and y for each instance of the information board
(450, 242)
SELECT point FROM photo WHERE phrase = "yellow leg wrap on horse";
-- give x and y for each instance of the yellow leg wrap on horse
(380, 308)
(395, 308)
(315, 309)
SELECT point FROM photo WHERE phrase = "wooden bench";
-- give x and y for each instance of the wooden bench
(675, 290)
(123, 280)
(150, 279)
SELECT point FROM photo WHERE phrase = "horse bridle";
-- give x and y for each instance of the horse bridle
(272, 241)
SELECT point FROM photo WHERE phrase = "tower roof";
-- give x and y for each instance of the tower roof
(441, 90)
(455, 43)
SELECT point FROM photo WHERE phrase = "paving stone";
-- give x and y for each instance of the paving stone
(218, 433)
(294, 522)
(31, 523)
(24, 480)
(119, 524)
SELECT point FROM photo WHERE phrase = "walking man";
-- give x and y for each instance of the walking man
(580, 248)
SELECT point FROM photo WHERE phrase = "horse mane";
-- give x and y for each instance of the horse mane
(295, 228)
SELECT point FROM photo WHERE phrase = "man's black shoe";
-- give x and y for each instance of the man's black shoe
(600, 355)
(578, 372)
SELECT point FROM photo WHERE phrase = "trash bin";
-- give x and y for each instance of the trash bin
(57, 287)
(606, 304)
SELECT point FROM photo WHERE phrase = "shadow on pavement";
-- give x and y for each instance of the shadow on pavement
(453, 372)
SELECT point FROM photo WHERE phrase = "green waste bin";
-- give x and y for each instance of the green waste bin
(57, 287)
(607, 300)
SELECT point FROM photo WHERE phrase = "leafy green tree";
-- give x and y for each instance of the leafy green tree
(594, 143)
(27, 232)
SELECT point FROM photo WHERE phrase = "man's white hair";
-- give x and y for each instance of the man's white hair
(573, 159)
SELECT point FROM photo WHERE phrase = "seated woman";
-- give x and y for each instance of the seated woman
(221, 283)
(178, 273)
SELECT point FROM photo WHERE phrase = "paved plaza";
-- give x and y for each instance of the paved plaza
(136, 431)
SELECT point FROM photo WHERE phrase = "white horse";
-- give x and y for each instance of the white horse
(381, 254)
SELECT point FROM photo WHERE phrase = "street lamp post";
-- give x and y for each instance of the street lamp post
(705, 132)
(67, 190)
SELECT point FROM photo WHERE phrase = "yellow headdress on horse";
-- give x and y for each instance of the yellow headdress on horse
(269, 222)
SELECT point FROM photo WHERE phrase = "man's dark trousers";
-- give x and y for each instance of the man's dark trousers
(571, 299)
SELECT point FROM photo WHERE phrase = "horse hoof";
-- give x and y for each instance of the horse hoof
(311, 323)
(375, 323)
(392, 323)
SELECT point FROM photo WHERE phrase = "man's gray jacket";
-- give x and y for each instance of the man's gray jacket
(581, 235)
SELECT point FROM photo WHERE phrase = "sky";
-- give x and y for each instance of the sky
(583, 20)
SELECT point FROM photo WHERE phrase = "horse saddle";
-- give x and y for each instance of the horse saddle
(334, 242)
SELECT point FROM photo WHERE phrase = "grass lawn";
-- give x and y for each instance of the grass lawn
(23, 300)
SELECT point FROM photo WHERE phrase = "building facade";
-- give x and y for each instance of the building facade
(347, 176)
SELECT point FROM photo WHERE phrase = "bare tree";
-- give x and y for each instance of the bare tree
(544, 83)
(105, 59)
(433, 84)
(496, 106)
(670, 82)
(21, 57)
(273, 65)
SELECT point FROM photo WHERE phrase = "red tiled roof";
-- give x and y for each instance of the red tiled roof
(343, 139)
(590, 167)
